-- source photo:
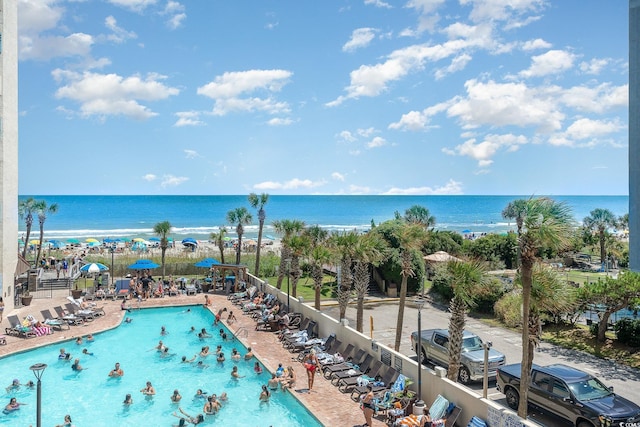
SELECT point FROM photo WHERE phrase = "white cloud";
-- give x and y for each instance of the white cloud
(536, 44)
(172, 181)
(376, 142)
(111, 94)
(451, 187)
(551, 62)
(45, 48)
(419, 120)
(149, 177)
(483, 151)
(500, 10)
(188, 118)
(293, 184)
(378, 3)
(361, 37)
(226, 90)
(428, 18)
(596, 99)
(337, 176)
(35, 16)
(347, 136)
(458, 63)
(586, 132)
(359, 189)
(508, 104)
(366, 133)
(595, 66)
(279, 121)
(175, 10)
(119, 35)
(191, 154)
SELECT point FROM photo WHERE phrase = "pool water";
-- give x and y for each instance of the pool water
(92, 398)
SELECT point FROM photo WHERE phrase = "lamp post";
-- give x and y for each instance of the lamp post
(113, 251)
(38, 370)
(485, 380)
(288, 263)
(419, 403)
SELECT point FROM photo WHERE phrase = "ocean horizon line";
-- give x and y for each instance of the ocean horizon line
(327, 195)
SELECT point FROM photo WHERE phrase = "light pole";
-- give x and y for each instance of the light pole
(419, 403)
(485, 380)
(38, 370)
(113, 251)
(288, 263)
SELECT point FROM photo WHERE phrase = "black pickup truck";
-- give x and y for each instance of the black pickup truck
(569, 393)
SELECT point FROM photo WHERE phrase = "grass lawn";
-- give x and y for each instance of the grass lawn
(578, 337)
(306, 289)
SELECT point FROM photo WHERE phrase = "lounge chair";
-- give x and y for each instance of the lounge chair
(338, 356)
(76, 311)
(191, 289)
(388, 379)
(3, 340)
(356, 371)
(70, 318)
(304, 336)
(53, 322)
(347, 382)
(17, 330)
(351, 362)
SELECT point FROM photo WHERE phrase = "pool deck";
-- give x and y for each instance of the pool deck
(331, 407)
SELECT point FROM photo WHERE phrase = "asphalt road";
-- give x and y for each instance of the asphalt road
(625, 380)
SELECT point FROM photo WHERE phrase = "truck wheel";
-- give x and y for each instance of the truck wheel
(585, 424)
(513, 398)
(424, 357)
(464, 376)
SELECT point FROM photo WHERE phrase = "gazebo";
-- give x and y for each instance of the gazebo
(440, 256)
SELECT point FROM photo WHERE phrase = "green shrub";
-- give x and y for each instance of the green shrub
(593, 329)
(508, 309)
(628, 332)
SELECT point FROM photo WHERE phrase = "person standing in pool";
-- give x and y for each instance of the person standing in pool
(148, 390)
(12, 406)
(67, 422)
(116, 372)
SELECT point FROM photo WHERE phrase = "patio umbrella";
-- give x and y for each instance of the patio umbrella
(143, 264)
(57, 243)
(94, 267)
(207, 263)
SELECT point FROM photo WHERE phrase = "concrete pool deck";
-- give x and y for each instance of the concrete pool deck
(330, 407)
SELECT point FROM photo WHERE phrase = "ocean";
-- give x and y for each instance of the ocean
(101, 217)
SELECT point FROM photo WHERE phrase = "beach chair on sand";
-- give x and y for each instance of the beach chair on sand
(17, 330)
(53, 322)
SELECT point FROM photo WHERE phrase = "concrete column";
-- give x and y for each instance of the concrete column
(8, 149)
(634, 134)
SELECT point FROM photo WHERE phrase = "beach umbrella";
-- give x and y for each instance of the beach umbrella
(124, 239)
(138, 239)
(35, 242)
(466, 231)
(207, 262)
(94, 267)
(91, 240)
(110, 240)
(143, 264)
(154, 239)
(75, 241)
(189, 240)
(57, 243)
(94, 244)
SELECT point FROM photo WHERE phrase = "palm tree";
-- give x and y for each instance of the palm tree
(468, 279)
(368, 250)
(318, 254)
(545, 223)
(297, 245)
(41, 208)
(286, 228)
(218, 239)
(239, 217)
(25, 212)
(515, 210)
(420, 215)
(258, 202)
(162, 229)
(600, 220)
(343, 245)
(410, 238)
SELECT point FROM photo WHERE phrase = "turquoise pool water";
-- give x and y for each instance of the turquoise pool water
(94, 399)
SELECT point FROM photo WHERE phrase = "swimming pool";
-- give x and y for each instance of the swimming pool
(94, 399)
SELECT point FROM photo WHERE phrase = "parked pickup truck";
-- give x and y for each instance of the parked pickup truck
(570, 393)
(435, 348)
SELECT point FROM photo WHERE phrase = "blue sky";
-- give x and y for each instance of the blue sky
(323, 97)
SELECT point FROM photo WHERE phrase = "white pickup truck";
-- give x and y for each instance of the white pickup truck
(435, 348)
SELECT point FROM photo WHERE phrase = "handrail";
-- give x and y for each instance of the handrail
(242, 329)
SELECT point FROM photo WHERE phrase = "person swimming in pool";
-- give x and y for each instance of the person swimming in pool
(12, 406)
(186, 418)
(176, 397)
(127, 400)
(15, 386)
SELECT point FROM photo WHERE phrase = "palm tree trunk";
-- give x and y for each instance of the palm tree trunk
(525, 370)
(295, 276)
(239, 249)
(40, 245)
(317, 281)
(603, 252)
(284, 255)
(26, 242)
(403, 297)
(164, 251)
(456, 327)
(256, 271)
